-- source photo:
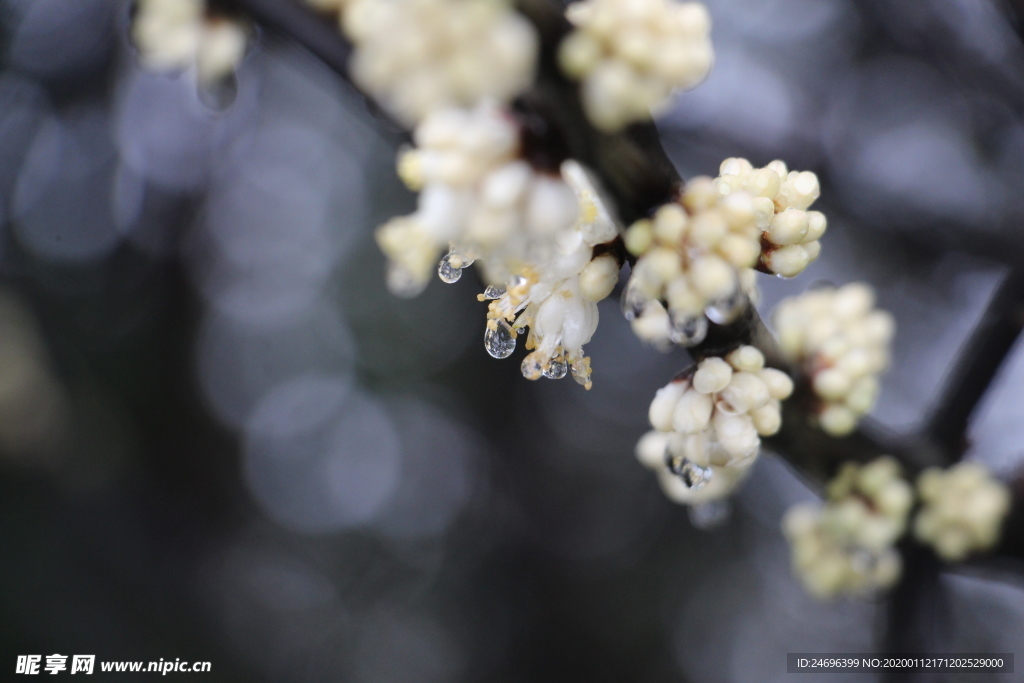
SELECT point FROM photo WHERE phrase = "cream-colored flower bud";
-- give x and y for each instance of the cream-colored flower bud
(664, 404)
(788, 261)
(713, 277)
(832, 384)
(764, 212)
(712, 376)
(650, 450)
(747, 358)
(707, 229)
(598, 278)
(653, 325)
(788, 227)
(735, 166)
(745, 392)
(798, 190)
(664, 263)
(578, 54)
(683, 297)
(692, 412)
(639, 237)
(739, 251)
(670, 223)
(862, 395)
(779, 384)
(816, 226)
(736, 435)
(768, 418)
(837, 420)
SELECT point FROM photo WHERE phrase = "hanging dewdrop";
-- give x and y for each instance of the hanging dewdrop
(962, 510)
(846, 546)
(630, 55)
(182, 35)
(841, 342)
(709, 424)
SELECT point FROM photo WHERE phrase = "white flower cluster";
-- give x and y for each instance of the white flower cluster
(962, 511)
(696, 255)
(417, 56)
(180, 35)
(708, 426)
(846, 547)
(789, 232)
(555, 294)
(631, 54)
(532, 233)
(842, 344)
(476, 195)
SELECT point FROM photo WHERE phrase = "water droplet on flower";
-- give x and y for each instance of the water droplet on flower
(557, 368)
(499, 341)
(531, 367)
(694, 476)
(520, 330)
(633, 301)
(687, 330)
(494, 292)
(724, 311)
(580, 369)
(447, 271)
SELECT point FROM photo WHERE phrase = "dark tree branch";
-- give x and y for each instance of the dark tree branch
(978, 362)
(917, 614)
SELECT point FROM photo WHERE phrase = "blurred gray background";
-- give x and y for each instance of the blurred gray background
(222, 439)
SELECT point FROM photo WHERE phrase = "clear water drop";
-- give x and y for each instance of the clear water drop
(499, 341)
(530, 367)
(557, 368)
(725, 310)
(687, 330)
(634, 300)
(693, 475)
(447, 271)
(494, 292)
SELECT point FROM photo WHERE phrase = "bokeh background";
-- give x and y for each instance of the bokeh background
(222, 439)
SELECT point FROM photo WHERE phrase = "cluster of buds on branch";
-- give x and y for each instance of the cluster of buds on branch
(847, 546)
(631, 55)
(708, 422)
(546, 233)
(841, 343)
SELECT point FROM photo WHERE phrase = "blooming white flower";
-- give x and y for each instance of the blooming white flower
(962, 511)
(846, 547)
(841, 342)
(632, 54)
(478, 197)
(416, 56)
(532, 233)
(709, 424)
(181, 35)
(555, 294)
